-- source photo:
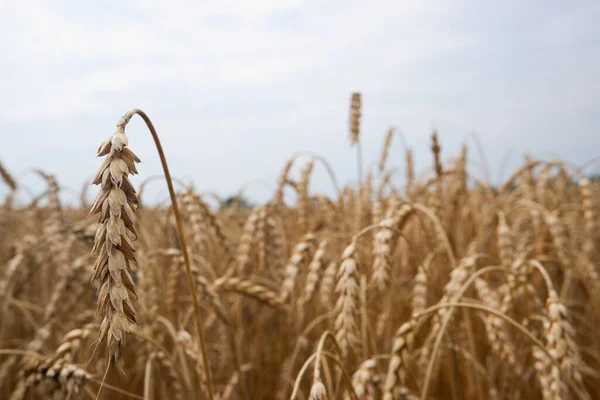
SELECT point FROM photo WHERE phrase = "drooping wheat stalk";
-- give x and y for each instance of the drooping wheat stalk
(114, 203)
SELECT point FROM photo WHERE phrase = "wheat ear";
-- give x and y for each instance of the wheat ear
(180, 233)
(116, 204)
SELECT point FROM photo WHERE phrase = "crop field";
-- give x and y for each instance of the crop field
(446, 287)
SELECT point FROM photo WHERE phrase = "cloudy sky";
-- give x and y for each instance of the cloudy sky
(234, 88)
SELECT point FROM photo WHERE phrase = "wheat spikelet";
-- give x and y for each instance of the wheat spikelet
(56, 217)
(385, 149)
(458, 277)
(410, 168)
(590, 214)
(419, 294)
(318, 390)
(497, 336)
(376, 211)
(13, 270)
(436, 198)
(275, 247)
(244, 250)
(542, 186)
(549, 382)
(384, 244)
(327, 208)
(315, 270)
(561, 344)
(328, 284)
(58, 372)
(116, 204)
(381, 324)
(72, 342)
(435, 149)
(68, 291)
(457, 182)
(148, 291)
(489, 296)
(175, 266)
(347, 305)
(517, 285)
(196, 216)
(364, 199)
(506, 244)
(396, 375)
(61, 380)
(299, 258)
(560, 239)
(355, 105)
(262, 237)
(200, 216)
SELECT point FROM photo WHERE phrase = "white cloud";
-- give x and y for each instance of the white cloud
(63, 57)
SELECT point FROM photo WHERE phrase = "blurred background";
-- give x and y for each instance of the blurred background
(235, 88)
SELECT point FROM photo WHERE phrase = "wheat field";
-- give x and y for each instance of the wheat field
(443, 288)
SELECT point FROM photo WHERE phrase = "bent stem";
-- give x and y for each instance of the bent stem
(512, 322)
(186, 259)
(306, 365)
(304, 333)
(327, 166)
(439, 229)
(444, 324)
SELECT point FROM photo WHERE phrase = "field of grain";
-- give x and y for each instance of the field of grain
(443, 288)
